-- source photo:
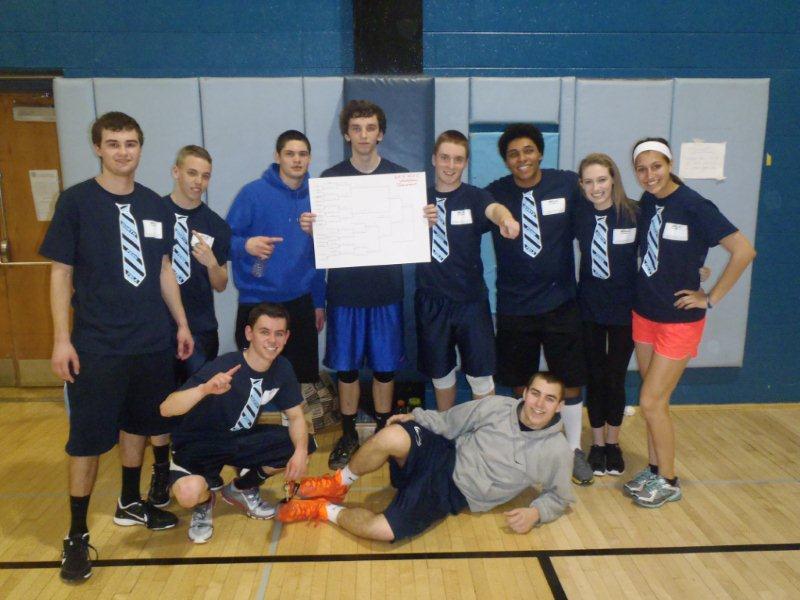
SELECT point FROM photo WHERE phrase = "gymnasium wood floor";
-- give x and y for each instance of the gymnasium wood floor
(736, 533)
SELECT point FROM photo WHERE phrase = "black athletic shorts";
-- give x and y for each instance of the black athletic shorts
(117, 393)
(425, 488)
(206, 348)
(443, 324)
(520, 338)
(262, 446)
(302, 349)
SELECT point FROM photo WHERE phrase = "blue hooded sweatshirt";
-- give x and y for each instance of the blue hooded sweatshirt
(267, 206)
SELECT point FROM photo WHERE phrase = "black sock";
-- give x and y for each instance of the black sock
(130, 485)
(253, 478)
(380, 420)
(349, 426)
(673, 481)
(78, 507)
(161, 454)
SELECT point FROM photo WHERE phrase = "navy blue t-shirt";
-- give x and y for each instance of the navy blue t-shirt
(690, 225)
(230, 414)
(112, 315)
(460, 275)
(606, 301)
(196, 292)
(533, 285)
(364, 286)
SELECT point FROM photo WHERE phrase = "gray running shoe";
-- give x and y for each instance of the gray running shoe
(657, 492)
(581, 471)
(248, 500)
(202, 526)
(636, 485)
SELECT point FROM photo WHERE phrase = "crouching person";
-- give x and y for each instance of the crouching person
(220, 405)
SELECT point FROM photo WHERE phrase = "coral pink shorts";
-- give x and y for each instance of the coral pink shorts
(673, 340)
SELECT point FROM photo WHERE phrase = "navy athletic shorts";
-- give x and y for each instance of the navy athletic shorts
(262, 446)
(426, 492)
(558, 332)
(443, 324)
(116, 393)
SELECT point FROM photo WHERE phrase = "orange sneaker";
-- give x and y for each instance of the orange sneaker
(327, 486)
(303, 510)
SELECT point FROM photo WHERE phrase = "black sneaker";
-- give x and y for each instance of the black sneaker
(143, 513)
(597, 459)
(159, 486)
(342, 452)
(215, 482)
(615, 465)
(76, 567)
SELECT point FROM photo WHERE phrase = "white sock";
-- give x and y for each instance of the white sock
(572, 415)
(333, 510)
(348, 477)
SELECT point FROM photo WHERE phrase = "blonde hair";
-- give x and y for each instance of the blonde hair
(619, 198)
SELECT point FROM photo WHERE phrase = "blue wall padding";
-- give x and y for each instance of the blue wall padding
(322, 101)
(734, 112)
(409, 106)
(486, 167)
(610, 115)
(506, 100)
(74, 102)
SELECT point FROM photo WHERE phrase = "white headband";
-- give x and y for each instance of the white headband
(652, 145)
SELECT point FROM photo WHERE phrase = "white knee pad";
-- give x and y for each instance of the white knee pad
(445, 382)
(480, 385)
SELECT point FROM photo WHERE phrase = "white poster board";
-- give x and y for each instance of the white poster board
(369, 220)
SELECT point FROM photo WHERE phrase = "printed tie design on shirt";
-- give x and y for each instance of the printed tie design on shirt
(600, 266)
(650, 262)
(250, 410)
(132, 261)
(531, 234)
(440, 248)
(180, 250)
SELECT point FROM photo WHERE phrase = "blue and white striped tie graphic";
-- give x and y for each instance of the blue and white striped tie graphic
(180, 250)
(132, 262)
(600, 267)
(650, 262)
(531, 234)
(440, 248)
(250, 410)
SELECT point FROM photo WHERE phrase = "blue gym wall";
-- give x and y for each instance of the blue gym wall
(157, 38)
(654, 39)
(645, 38)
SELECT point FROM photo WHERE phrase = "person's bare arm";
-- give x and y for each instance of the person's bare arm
(171, 293)
(182, 401)
(64, 360)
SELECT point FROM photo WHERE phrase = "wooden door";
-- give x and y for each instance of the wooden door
(29, 178)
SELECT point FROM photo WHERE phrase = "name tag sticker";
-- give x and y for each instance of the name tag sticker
(268, 395)
(152, 229)
(461, 217)
(676, 232)
(624, 236)
(209, 240)
(553, 206)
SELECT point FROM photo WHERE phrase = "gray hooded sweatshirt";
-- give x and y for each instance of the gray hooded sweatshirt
(496, 460)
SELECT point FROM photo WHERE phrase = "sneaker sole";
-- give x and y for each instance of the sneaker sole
(75, 580)
(162, 505)
(577, 481)
(133, 522)
(199, 540)
(615, 473)
(245, 509)
(639, 502)
(599, 473)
